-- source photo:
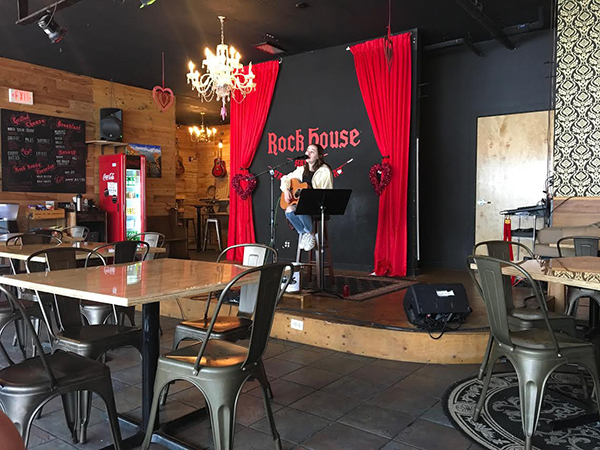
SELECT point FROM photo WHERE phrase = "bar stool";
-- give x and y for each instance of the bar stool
(315, 252)
(214, 221)
(186, 222)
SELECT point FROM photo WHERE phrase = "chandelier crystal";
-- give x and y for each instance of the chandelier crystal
(223, 75)
(202, 133)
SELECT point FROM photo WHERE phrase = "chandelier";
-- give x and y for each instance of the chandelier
(202, 134)
(223, 75)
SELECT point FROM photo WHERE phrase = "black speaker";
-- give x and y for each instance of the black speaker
(426, 304)
(111, 124)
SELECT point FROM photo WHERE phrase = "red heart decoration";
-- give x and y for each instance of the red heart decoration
(243, 191)
(163, 97)
(380, 176)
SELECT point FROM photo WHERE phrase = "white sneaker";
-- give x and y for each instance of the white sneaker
(310, 242)
(302, 241)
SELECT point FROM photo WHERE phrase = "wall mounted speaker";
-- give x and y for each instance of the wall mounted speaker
(111, 124)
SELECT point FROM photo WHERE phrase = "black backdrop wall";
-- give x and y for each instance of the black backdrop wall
(319, 90)
(458, 87)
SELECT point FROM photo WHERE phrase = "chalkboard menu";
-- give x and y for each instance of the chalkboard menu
(42, 153)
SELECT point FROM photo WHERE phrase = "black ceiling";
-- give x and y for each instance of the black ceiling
(116, 40)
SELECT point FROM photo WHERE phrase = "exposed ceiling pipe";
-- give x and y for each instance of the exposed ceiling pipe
(25, 18)
(454, 43)
(475, 9)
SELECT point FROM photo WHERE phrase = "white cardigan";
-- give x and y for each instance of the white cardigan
(322, 178)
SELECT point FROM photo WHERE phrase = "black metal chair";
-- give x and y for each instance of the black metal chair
(33, 238)
(534, 353)
(219, 368)
(26, 387)
(8, 315)
(67, 331)
(56, 232)
(520, 319)
(123, 252)
(229, 328)
(584, 246)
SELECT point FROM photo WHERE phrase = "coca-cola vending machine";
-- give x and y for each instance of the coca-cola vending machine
(123, 195)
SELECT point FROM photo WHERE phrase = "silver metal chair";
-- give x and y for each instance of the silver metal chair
(154, 240)
(76, 231)
(534, 353)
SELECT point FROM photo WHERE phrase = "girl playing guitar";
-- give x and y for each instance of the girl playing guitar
(318, 175)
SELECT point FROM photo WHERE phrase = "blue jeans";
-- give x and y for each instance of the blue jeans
(302, 223)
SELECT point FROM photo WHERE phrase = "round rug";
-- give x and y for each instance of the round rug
(499, 426)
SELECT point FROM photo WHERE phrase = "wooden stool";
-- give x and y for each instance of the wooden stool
(214, 221)
(317, 254)
(187, 221)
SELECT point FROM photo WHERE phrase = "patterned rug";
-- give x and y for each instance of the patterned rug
(362, 288)
(499, 426)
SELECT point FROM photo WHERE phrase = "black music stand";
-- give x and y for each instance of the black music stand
(322, 202)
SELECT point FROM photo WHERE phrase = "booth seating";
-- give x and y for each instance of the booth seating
(548, 237)
(316, 254)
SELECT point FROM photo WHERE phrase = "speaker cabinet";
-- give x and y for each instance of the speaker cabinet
(111, 124)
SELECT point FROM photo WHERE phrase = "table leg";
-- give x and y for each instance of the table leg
(150, 354)
(558, 291)
(199, 228)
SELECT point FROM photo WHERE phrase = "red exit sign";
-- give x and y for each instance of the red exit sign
(22, 97)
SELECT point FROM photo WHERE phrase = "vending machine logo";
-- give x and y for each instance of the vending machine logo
(108, 176)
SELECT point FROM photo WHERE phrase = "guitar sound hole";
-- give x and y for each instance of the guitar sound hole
(297, 193)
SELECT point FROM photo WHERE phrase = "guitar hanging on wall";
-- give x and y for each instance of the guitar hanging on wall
(219, 170)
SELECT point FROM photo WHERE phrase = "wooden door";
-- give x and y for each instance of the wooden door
(512, 161)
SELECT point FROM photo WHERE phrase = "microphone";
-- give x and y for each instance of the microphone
(299, 158)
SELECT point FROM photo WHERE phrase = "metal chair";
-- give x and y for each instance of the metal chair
(154, 240)
(26, 387)
(67, 331)
(47, 232)
(9, 314)
(520, 319)
(534, 353)
(219, 368)
(76, 231)
(584, 246)
(123, 252)
(33, 238)
(228, 328)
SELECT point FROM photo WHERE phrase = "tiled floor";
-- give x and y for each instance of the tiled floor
(322, 400)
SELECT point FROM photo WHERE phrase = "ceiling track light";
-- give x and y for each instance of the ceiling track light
(54, 31)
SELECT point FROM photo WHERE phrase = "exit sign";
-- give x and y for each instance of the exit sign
(22, 97)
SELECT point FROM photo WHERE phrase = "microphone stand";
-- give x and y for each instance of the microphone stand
(271, 172)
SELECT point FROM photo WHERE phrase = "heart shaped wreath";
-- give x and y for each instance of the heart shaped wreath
(380, 176)
(243, 191)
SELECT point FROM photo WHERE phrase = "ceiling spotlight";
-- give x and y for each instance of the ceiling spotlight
(146, 3)
(54, 31)
(270, 45)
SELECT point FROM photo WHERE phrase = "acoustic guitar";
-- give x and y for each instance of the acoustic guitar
(296, 187)
(219, 170)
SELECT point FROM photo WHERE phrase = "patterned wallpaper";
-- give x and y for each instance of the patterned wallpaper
(577, 123)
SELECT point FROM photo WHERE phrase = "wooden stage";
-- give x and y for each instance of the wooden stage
(375, 327)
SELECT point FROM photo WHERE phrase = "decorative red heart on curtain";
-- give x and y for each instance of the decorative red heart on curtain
(243, 185)
(163, 97)
(380, 176)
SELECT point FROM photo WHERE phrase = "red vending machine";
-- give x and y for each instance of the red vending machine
(123, 195)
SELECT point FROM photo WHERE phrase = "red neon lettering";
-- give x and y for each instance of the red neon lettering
(353, 135)
(272, 144)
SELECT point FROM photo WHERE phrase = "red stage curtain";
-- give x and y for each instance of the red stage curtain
(248, 120)
(387, 96)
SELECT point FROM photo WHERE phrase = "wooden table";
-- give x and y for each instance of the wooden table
(144, 283)
(22, 252)
(581, 271)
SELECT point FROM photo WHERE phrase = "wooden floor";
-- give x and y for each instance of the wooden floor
(374, 327)
(387, 311)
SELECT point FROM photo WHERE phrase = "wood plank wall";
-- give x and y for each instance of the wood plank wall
(575, 211)
(63, 94)
(198, 160)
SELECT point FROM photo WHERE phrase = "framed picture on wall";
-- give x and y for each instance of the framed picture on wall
(153, 158)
